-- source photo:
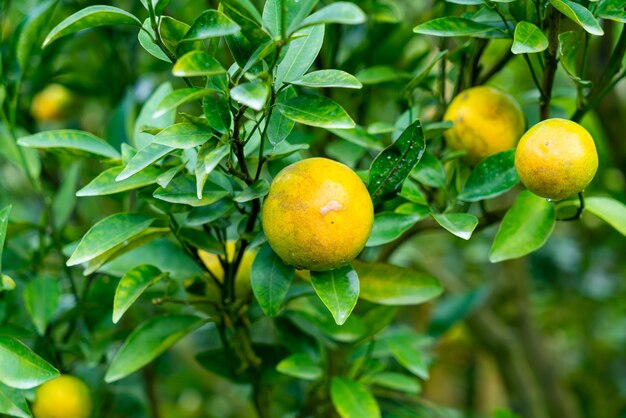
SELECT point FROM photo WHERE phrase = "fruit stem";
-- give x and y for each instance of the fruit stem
(554, 19)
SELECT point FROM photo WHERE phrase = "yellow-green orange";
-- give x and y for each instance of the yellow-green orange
(318, 214)
(51, 103)
(486, 121)
(242, 280)
(556, 158)
(63, 397)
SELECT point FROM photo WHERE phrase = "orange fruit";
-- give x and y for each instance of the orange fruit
(64, 397)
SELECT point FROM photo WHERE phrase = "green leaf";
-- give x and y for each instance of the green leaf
(381, 74)
(70, 141)
(338, 289)
(420, 77)
(341, 12)
(91, 17)
(525, 228)
(612, 9)
(148, 341)
(41, 298)
(177, 98)
(4, 223)
(300, 55)
(528, 39)
(143, 159)
(197, 64)
(316, 111)
(358, 136)
(209, 156)
(392, 166)
(38, 18)
(328, 78)
(386, 284)
(106, 184)
(182, 190)
(143, 36)
(107, 234)
(253, 94)
(410, 358)
(389, 226)
(397, 382)
(609, 210)
(183, 136)
(256, 190)
(460, 224)
(579, 14)
(352, 399)
(300, 365)
(494, 176)
(270, 279)
(454, 26)
(64, 200)
(13, 402)
(211, 24)
(296, 10)
(21, 367)
(430, 171)
(131, 286)
(217, 111)
(146, 117)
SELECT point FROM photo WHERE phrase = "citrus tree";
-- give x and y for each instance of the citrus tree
(198, 194)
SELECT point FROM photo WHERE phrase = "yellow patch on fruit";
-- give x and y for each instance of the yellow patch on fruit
(63, 397)
(556, 158)
(318, 214)
(486, 121)
(51, 103)
(212, 262)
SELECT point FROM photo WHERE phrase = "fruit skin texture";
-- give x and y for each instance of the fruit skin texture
(51, 103)
(486, 121)
(63, 397)
(556, 158)
(318, 214)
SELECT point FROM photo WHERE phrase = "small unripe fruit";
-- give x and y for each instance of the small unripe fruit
(51, 103)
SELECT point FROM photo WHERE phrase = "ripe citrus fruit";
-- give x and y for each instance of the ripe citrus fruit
(63, 397)
(242, 280)
(318, 214)
(486, 121)
(51, 103)
(556, 158)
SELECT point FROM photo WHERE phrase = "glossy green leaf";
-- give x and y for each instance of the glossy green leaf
(525, 228)
(528, 39)
(146, 117)
(256, 190)
(211, 24)
(420, 77)
(144, 158)
(280, 126)
(460, 224)
(352, 399)
(197, 64)
(408, 356)
(91, 17)
(182, 190)
(177, 98)
(338, 289)
(494, 176)
(106, 182)
(30, 37)
(359, 136)
(381, 74)
(300, 55)
(13, 402)
(411, 192)
(430, 171)
(172, 33)
(389, 226)
(108, 233)
(569, 47)
(454, 26)
(328, 78)
(301, 366)
(253, 94)
(143, 36)
(41, 298)
(270, 279)
(148, 341)
(316, 111)
(217, 111)
(183, 136)
(612, 9)
(341, 12)
(209, 156)
(579, 14)
(386, 284)
(397, 381)
(21, 367)
(65, 199)
(131, 286)
(392, 166)
(4, 223)
(609, 210)
(70, 141)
